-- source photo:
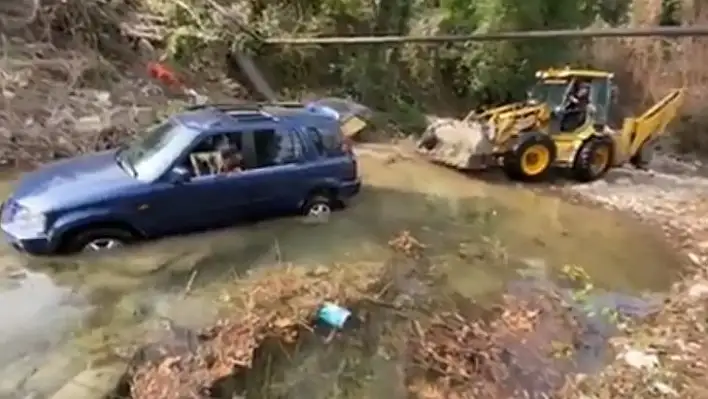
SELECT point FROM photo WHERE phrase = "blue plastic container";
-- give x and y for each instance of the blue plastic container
(333, 315)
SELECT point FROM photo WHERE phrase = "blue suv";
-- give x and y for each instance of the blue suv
(206, 167)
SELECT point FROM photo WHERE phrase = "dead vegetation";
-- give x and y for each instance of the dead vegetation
(441, 345)
(663, 356)
(63, 87)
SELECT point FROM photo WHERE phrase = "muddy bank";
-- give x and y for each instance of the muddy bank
(666, 354)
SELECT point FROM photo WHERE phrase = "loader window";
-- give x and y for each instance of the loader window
(550, 91)
(601, 92)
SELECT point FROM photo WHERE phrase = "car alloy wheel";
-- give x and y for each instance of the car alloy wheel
(319, 211)
(102, 244)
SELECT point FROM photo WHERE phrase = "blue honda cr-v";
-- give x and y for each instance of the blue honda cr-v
(208, 166)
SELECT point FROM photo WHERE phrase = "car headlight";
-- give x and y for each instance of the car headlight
(29, 221)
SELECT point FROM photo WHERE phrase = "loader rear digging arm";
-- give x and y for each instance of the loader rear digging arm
(651, 124)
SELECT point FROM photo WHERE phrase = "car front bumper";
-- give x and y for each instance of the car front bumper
(30, 245)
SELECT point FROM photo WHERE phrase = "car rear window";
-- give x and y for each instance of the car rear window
(326, 142)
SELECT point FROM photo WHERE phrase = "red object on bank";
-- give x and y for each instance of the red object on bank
(164, 74)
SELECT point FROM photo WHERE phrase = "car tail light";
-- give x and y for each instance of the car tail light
(353, 173)
(347, 145)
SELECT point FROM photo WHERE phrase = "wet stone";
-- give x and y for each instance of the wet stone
(14, 376)
(95, 383)
(53, 372)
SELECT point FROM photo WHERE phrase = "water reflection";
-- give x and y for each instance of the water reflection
(34, 312)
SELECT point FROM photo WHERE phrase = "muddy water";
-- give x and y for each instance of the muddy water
(65, 314)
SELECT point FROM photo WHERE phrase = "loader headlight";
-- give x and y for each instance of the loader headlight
(29, 222)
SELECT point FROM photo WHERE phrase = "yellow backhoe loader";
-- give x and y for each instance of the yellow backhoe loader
(528, 139)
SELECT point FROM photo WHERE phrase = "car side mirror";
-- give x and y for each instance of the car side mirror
(179, 175)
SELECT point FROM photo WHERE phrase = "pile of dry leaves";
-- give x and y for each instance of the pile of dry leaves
(279, 306)
(454, 352)
(665, 355)
(522, 349)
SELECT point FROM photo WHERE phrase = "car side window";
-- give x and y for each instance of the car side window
(326, 143)
(214, 155)
(291, 148)
(314, 135)
(276, 147)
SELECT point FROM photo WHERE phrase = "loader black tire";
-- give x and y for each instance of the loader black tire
(594, 159)
(531, 158)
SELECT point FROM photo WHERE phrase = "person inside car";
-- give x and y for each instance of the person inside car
(231, 157)
(232, 160)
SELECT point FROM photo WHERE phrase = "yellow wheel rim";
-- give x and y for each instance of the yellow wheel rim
(535, 160)
(600, 159)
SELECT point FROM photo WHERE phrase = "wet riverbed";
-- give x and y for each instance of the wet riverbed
(58, 316)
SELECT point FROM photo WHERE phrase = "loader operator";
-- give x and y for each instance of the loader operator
(576, 107)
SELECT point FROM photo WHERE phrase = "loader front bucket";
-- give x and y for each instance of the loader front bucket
(461, 144)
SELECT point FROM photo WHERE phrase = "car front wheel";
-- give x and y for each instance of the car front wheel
(98, 240)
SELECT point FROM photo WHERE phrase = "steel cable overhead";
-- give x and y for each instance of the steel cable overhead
(672, 31)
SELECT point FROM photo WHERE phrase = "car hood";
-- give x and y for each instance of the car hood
(72, 181)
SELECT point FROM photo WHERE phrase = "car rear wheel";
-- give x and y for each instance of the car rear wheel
(318, 207)
(98, 240)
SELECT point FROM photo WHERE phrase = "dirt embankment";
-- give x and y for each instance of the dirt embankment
(665, 355)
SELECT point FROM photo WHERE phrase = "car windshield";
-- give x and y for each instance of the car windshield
(150, 155)
(550, 91)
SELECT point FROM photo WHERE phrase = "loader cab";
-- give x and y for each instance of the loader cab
(553, 88)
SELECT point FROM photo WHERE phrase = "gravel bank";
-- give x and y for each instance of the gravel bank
(673, 194)
(665, 355)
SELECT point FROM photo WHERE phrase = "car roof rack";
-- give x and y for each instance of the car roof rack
(240, 111)
(226, 107)
(246, 106)
(247, 111)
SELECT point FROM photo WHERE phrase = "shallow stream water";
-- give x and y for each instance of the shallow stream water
(59, 316)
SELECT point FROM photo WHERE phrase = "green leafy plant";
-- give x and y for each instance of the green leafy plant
(582, 294)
